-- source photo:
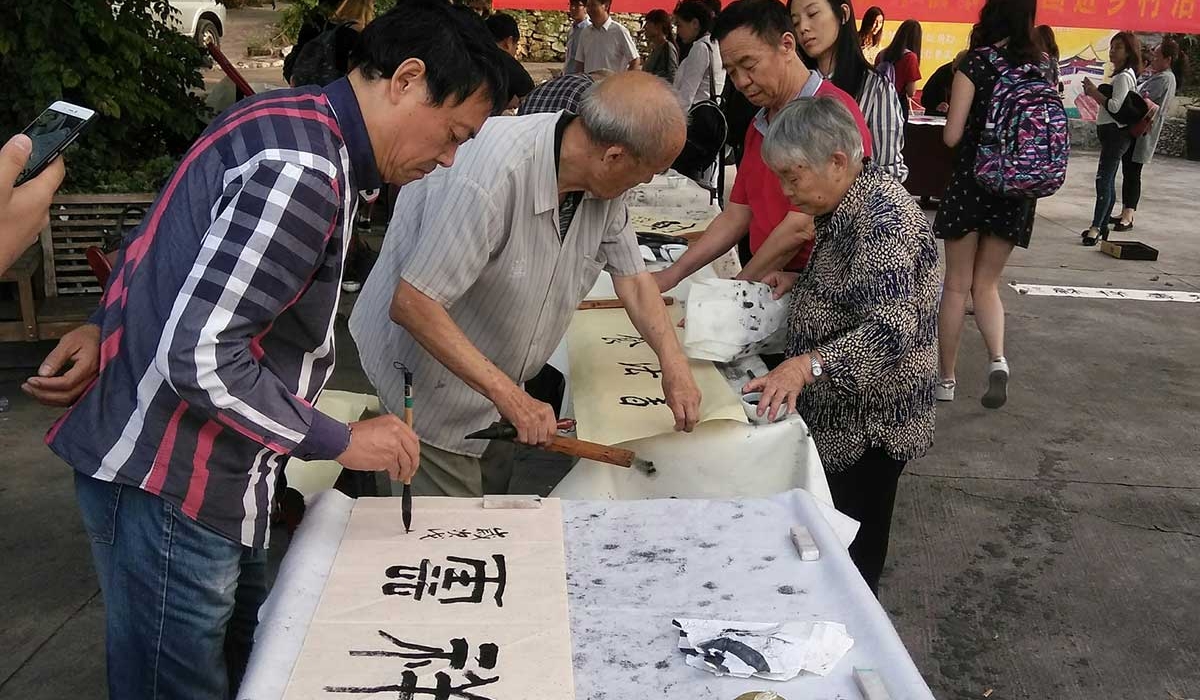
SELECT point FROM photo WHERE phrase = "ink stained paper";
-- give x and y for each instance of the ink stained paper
(471, 605)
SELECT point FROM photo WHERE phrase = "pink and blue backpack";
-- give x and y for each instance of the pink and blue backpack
(1026, 142)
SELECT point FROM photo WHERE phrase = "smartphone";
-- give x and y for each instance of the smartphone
(51, 133)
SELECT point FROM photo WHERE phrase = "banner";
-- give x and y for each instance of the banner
(1133, 15)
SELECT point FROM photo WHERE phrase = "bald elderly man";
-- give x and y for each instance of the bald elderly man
(485, 262)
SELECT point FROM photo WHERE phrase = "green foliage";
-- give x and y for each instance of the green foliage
(137, 72)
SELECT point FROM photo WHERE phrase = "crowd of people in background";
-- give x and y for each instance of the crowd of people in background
(818, 195)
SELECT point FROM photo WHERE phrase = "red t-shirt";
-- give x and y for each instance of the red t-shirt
(908, 70)
(757, 187)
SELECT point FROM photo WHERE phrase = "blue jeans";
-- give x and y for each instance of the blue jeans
(1114, 141)
(181, 602)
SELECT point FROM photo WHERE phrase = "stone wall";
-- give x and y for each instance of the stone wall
(544, 33)
(1170, 143)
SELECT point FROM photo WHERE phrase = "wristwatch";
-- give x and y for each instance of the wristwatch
(817, 370)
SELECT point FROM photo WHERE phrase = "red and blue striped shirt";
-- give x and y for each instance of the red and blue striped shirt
(217, 323)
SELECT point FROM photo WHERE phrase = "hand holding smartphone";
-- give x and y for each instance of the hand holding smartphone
(29, 176)
(51, 133)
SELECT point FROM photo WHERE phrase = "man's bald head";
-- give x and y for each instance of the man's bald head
(636, 111)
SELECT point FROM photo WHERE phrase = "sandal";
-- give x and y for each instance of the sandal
(1088, 239)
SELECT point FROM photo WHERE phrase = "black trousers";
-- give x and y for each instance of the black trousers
(1131, 179)
(866, 491)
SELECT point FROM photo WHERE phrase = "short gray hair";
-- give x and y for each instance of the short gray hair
(809, 131)
(640, 129)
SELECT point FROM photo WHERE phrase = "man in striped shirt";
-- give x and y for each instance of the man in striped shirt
(485, 263)
(216, 338)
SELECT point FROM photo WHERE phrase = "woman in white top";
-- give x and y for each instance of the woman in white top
(700, 76)
(830, 45)
(1168, 68)
(1125, 53)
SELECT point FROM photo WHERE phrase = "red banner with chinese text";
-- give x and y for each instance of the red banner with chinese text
(1134, 15)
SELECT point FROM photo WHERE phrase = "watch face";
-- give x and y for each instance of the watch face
(816, 369)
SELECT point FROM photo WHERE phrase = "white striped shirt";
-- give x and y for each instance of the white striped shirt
(881, 109)
(481, 239)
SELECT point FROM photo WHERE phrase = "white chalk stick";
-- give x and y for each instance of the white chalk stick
(511, 502)
(805, 544)
(870, 684)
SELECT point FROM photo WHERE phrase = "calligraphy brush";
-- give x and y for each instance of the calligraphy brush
(617, 456)
(406, 498)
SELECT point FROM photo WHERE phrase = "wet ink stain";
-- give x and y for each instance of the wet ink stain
(769, 557)
(597, 582)
(707, 545)
(612, 546)
(662, 665)
(710, 586)
(786, 590)
(727, 596)
(704, 604)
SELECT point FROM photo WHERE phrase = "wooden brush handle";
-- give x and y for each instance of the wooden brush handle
(590, 450)
(587, 304)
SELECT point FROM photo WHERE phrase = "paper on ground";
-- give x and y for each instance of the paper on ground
(774, 651)
(616, 381)
(730, 319)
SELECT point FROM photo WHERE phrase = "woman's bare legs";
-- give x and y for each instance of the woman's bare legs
(960, 275)
(990, 258)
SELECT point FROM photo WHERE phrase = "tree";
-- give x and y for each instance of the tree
(118, 58)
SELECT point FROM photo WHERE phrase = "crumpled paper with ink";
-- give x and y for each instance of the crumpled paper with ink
(771, 650)
(730, 319)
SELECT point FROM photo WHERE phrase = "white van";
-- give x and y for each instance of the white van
(203, 20)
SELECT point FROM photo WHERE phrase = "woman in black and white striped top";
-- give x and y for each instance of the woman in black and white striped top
(829, 43)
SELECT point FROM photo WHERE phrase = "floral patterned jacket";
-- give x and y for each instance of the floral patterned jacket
(868, 303)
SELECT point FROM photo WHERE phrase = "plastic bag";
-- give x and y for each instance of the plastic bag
(730, 319)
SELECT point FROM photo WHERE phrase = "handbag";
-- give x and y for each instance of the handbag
(1134, 109)
(1143, 126)
(707, 131)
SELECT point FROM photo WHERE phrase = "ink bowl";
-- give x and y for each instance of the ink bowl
(750, 406)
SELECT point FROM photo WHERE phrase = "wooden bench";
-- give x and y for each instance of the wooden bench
(78, 222)
(69, 291)
(22, 273)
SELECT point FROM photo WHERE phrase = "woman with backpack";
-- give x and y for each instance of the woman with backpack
(980, 228)
(700, 76)
(901, 60)
(1168, 68)
(663, 60)
(830, 45)
(1125, 53)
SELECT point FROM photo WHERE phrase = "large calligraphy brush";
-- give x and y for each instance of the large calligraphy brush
(406, 498)
(596, 452)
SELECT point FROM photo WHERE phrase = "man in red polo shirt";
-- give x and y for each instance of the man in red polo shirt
(758, 49)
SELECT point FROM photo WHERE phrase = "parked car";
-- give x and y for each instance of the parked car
(203, 20)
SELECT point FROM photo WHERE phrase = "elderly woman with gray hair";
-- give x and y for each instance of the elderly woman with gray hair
(862, 336)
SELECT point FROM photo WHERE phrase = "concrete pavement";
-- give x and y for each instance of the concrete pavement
(1050, 549)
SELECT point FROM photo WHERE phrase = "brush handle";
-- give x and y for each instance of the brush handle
(591, 450)
(613, 303)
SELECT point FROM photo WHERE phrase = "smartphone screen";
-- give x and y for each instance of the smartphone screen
(50, 133)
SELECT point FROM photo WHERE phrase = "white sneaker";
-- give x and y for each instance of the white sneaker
(997, 392)
(944, 391)
(351, 287)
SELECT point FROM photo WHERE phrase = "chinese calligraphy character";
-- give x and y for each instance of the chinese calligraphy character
(1115, 7)
(408, 689)
(1183, 9)
(422, 655)
(642, 401)
(629, 341)
(636, 368)
(422, 580)
(479, 533)
(1087, 7)
(1149, 8)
